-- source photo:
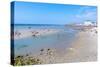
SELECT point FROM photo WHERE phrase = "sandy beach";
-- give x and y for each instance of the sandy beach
(82, 49)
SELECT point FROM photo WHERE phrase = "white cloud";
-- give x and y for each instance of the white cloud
(87, 13)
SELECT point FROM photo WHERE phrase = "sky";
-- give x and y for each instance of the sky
(46, 13)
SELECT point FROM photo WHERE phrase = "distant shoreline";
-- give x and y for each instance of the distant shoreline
(38, 24)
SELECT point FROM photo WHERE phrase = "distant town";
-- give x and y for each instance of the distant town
(85, 23)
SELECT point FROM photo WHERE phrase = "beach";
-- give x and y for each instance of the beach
(82, 49)
(43, 33)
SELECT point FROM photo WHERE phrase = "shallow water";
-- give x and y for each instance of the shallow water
(32, 45)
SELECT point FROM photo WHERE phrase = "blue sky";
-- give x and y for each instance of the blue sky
(44, 13)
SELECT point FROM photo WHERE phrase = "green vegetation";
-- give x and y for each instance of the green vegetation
(21, 60)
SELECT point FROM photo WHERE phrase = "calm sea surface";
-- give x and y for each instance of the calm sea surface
(32, 45)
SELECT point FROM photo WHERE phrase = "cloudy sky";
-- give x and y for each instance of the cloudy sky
(44, 13)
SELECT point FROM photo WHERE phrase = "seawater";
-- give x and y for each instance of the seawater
(32, 45)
